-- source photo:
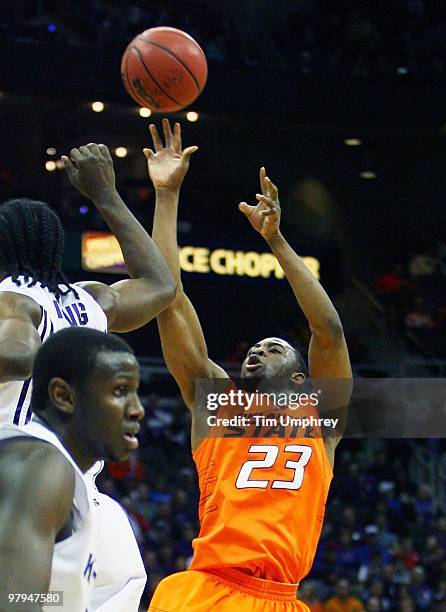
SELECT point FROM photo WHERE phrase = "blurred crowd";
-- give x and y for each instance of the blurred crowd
(360, 38)
(413, 295)
(112, 25)
(383, 545)
(363, 38)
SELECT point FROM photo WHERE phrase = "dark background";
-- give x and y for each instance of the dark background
(288, 82)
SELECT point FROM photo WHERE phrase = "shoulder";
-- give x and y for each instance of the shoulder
(29, 455)
(17, 305)
(36, 478)
(27, 460)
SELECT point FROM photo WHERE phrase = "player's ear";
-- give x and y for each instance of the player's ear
(298, 378)
(62, 395)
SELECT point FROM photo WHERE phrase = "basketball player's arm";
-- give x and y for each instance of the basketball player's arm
(131, 303)
(31, 515)
(19, 339)
(182, 340)
(328, 354)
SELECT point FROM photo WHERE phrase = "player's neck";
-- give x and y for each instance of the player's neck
(83, 457)
(71, 442)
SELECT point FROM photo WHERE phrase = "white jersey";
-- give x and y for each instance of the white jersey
(74, 563)
(122, 577)
(56, 315)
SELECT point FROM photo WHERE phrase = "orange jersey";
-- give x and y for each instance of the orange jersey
(262, 502)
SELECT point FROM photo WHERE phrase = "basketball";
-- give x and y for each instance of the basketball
(164, 69)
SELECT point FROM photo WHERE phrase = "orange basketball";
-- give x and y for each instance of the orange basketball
(164, 69)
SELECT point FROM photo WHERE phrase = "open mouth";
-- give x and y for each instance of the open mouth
(253, 364)
(131, 440)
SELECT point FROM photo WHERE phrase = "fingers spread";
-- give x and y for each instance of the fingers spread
(188, 152)
(273, 191)
(265, 200)
(263, 184)
(267, 186)
(177, 138)
(155, 137)
(167, 132)
(246, 209)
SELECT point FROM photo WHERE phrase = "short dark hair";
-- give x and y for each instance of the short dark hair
(31, 244)
(70, 354)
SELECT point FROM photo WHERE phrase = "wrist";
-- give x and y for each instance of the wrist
(104, 197)
(274, 239)
(167, 196)
(167, 191)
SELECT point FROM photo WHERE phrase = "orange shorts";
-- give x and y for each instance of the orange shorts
(223, 591)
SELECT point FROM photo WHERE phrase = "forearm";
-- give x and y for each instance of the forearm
(182, 340)
(142, 257)
(165, 231)
(310, 295)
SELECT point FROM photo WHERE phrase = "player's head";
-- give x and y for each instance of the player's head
(342, 588)
(274, 358)
(85, 386)
(31, 243)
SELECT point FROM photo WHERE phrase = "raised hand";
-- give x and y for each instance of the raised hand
(90, 170)
(169, 163)
(265, 217)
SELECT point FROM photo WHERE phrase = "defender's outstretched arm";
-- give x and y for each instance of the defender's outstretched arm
(128, 304)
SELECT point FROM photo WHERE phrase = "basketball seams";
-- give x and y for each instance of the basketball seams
(168, 75)
(152, 77)
(127, 82)
(172, 54)
(173, 32)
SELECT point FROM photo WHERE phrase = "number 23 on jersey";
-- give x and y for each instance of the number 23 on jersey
(296, 465)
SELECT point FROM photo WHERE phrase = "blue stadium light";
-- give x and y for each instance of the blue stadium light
(52, 27)
(83, 210)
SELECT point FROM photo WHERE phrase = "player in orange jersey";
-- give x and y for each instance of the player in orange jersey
(263, 494)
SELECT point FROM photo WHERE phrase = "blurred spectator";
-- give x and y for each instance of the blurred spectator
(407, 554)
(406, 604)
(133, 467)
(308, 594)
(385, 538)
(420, 591)
(433, 561)
(424, 265)
(419, 317)
(394, 290)
(343, 601)
(374, 605)
(424, 504)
